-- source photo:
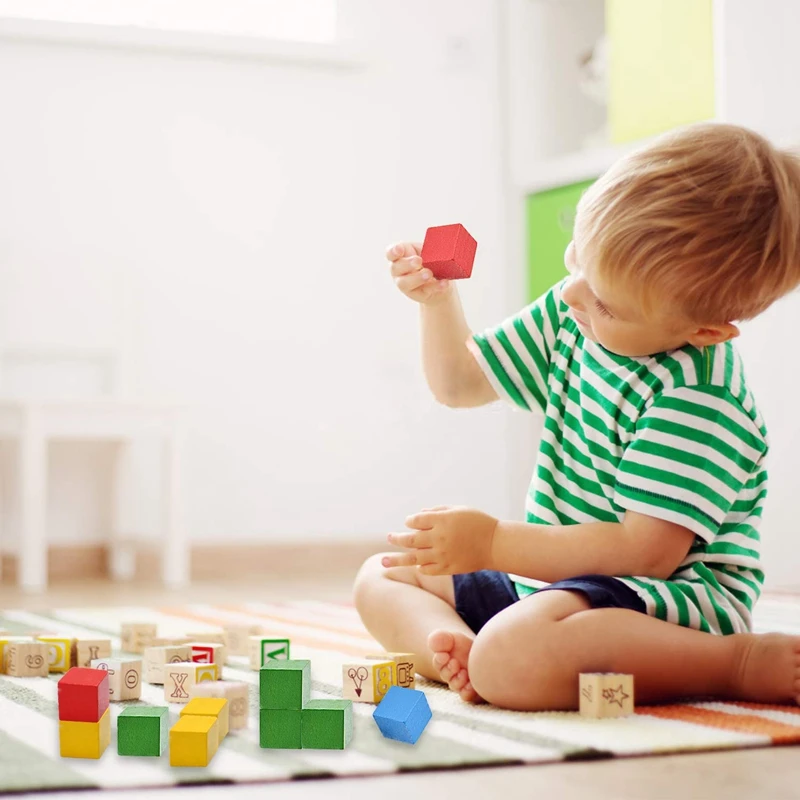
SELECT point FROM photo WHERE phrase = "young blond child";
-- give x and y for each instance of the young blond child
(640, 553)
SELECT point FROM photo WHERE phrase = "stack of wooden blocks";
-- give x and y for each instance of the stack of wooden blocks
(198, 733)
(289, 719)
(84, 719)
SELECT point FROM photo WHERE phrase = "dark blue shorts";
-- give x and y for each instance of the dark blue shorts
(481, 595)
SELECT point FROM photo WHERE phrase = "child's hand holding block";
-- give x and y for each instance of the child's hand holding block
(448, 252)
(606, 694)
(367, 681)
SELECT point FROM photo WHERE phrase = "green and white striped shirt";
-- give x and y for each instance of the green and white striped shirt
(675, 436)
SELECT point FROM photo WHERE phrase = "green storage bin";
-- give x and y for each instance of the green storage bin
(551, 217)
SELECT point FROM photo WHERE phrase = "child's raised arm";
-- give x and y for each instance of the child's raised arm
(452, 373)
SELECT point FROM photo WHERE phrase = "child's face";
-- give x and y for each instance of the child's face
(613, 320)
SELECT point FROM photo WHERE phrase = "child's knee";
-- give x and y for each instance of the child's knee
(372, 575)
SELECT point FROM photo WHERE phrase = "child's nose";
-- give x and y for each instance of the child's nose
(572, 294)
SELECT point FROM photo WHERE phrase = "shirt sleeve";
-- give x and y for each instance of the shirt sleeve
(693, 455)
(516, 355)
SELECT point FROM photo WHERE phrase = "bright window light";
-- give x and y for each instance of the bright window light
(293, 20)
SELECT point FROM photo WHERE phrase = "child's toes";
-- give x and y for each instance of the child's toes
(450, 670)
(440, 660)
(441, 641)
(459, 680)
(469, 695)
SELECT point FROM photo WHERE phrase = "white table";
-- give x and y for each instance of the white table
(33, 425)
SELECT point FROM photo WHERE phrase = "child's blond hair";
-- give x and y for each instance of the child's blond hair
(705, 221)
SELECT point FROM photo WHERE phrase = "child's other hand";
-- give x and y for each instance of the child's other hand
(411, 279)
(446, 540)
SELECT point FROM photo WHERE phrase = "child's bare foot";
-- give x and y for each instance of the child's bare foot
(769, 669)
(450, 657)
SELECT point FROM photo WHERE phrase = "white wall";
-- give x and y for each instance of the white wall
(227, 219)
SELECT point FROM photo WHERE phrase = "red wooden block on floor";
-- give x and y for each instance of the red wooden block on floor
(449, 252)
(83, 695)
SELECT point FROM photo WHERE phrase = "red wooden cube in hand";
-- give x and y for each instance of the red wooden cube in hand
(449, 252)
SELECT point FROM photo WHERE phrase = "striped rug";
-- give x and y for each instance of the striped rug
(459, 735)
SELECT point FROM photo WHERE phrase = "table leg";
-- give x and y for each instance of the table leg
(32, 476)
(175, 562)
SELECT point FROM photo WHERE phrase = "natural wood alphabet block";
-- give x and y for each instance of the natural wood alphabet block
(156, 658)
(136, 636)
(124, 677)
(180, 678)
(367, 681)
(606, 694)
(405, 667)
(26, 659)
(84, 651)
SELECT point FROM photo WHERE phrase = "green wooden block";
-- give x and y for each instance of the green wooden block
(327, 724)
(285, 684)
(280, 728)
(142, 731)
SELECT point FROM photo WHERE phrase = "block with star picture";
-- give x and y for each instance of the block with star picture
(604, 695)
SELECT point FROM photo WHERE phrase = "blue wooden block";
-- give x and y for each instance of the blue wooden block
(403, 714)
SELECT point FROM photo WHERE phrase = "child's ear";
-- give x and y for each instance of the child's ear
(713, 334)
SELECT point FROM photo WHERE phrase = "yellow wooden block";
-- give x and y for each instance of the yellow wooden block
(85, 739)
(405, 665)
(237, 693)
(136, 636)
(367, 681)
(180, 678)
(606, 694)
(26, 659)
(59, 652)
(210, 707)
(85, 650)
(193, 741)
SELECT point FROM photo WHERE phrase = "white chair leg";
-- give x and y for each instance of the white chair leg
(175, 562)
(32, 476)
(2, 503)
(121, 554)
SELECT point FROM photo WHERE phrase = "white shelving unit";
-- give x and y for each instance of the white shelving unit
(550, 116)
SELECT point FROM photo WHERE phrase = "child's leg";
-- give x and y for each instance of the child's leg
(529, 656)
(400, 607)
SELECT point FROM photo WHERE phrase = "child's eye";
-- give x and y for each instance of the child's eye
(602, 309)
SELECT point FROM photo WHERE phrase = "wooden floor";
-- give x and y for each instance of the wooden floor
(772, 773)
